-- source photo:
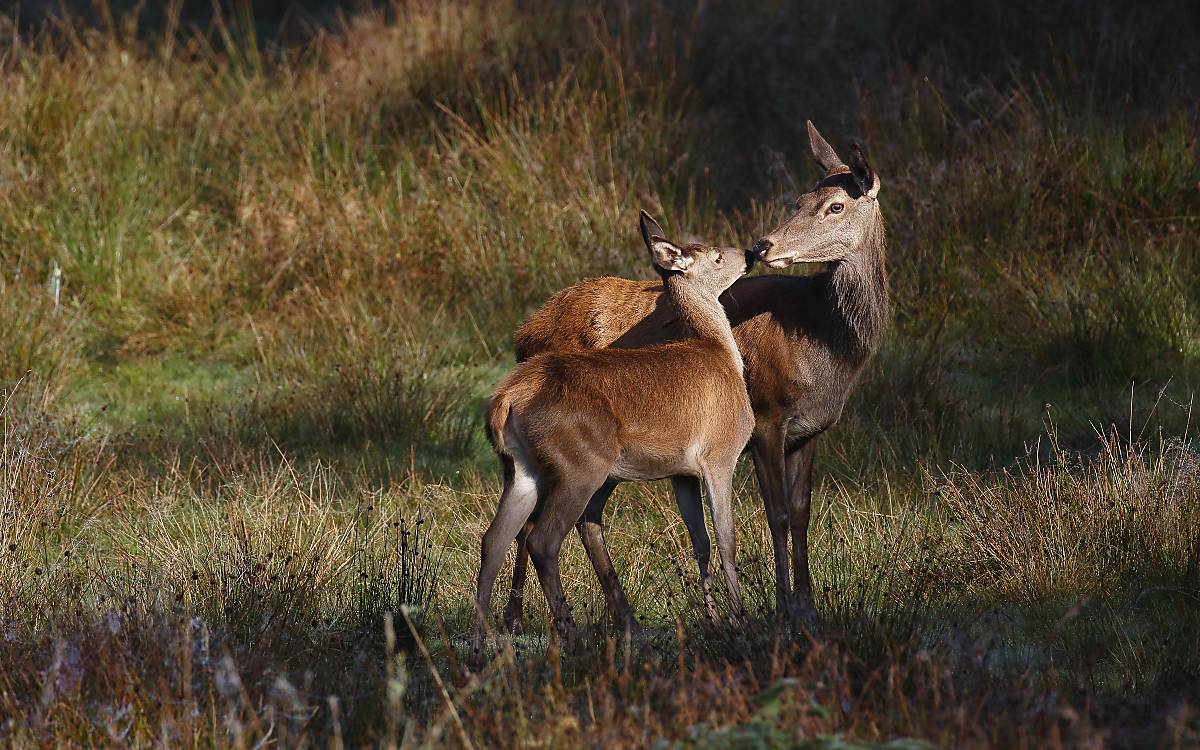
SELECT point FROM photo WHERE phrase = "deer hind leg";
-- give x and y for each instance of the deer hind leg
(719, 481)
(517, 502)
(564, 505)
(799, 472)
(593, 542)
(591, 532)
(767, 452)
(514, 610)
(691, 508)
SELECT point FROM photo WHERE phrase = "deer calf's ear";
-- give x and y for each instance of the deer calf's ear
(667, 256)
(650, 228)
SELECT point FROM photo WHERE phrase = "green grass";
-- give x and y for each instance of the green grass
(291, 266)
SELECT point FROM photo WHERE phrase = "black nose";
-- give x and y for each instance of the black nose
(762, 247)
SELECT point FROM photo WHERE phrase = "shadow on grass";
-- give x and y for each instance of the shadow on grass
(975, 673)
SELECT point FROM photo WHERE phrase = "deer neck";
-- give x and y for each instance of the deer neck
(704, 316)
(858, 289)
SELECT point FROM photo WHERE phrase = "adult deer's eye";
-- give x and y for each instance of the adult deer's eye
(835, 208)
(719, 259)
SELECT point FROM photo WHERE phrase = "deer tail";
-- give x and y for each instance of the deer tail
(499, 409)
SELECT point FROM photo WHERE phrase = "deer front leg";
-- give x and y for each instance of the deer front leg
(719, 480)
(691, 508)
(799, 472)
(767, 451)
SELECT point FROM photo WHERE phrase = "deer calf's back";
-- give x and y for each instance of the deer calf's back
(652, 412)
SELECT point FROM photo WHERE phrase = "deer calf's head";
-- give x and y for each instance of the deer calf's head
(831, 219)
(713, 269)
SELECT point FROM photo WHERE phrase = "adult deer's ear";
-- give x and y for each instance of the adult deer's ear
(864, 177)
(821, 150)
(650, 228)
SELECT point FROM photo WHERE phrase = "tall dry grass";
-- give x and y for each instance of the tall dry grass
(227, 608)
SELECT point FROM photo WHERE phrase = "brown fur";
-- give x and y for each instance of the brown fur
(771, 318)
(596, 401)
(599, 309)
(804, 340)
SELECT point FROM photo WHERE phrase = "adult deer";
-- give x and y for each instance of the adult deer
(805, 340)
(568, 426)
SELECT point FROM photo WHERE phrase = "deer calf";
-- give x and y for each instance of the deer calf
(565, 425)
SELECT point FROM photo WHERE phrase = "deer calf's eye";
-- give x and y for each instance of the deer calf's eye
(835, 208)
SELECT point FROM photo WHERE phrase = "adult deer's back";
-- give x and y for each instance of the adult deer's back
(805, 340)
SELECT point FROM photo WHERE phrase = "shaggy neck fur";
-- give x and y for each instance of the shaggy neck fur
(704, 316)
(859, 293)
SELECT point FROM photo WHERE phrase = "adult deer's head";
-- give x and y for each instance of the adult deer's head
(832, 219)
(713, 269)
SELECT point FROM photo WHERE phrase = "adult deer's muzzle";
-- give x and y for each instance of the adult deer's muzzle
(763, 247)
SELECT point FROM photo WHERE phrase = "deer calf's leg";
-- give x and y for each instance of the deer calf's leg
(564, 506)
(591, 532)
(514, 611)
(516, 503)
(719, 481)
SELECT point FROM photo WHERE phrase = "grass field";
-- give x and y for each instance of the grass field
(257, 278)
